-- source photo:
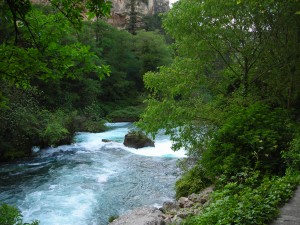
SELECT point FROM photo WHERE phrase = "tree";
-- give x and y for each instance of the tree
(132, 24)
(32, 49)
(257, 43)
(151, 52)
(73, 10)
(230, 54)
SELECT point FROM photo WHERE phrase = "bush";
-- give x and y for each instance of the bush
(24, 126)
(192, 181)
(247, 204)
(11, 216)
(127, 114)
(85, 123)
(94, 112)
(292, 156)
(252, 137)
(20, 124)
(55, 131)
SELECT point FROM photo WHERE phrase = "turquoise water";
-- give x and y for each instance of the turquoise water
(89, 181)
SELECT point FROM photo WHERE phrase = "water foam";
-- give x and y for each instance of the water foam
(93, 141)
(86, 182)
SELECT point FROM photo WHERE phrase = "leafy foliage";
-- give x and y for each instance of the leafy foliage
(24, 123)
(130, 113)
(225, 57)
(49, 57)
(252, 137)
(228, 96)
(52, 75)
(247, 204)
(11, 216)
(192, 181)
(292, 156)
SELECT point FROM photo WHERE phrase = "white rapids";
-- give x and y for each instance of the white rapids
(85, 183)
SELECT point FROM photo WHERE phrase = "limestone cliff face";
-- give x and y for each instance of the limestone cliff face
(120, 13)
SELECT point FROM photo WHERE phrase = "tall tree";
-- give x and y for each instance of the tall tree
(229, 52)
(132, 24)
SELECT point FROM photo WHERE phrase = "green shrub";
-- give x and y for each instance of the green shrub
(93, 126)
(11, 216)
(127, 114)
(55, 131)
(93, 112)
(292, 156)
(20, 124)
(192, 181)
(252, 137)
(82, 122)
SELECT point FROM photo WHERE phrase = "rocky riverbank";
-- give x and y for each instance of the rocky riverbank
(170, 213)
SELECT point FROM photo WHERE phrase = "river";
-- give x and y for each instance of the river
(87, 182)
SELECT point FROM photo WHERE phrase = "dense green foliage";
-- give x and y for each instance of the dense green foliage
(231, 98)
(24, 123)
(60, 75)
(228, 78)
(11, 216)
(292, 156)
(253, 137)
(224, 62)
(192, 181)
(247, 203)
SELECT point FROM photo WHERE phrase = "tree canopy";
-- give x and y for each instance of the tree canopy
(31, 46)
(228, 53)
(60, 74)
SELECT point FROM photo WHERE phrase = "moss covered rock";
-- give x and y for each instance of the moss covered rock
(137, 139)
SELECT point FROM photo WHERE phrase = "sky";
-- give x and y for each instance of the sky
(172, 1)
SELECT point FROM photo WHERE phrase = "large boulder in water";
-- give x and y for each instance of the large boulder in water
(137, 139)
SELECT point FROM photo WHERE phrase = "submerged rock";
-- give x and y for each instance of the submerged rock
(106, 140)
(141, 216)
(137, 139)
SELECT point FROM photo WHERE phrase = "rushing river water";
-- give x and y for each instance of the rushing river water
(85, 183)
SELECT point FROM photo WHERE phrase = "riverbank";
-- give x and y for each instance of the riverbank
(172, 212)
(256, 203)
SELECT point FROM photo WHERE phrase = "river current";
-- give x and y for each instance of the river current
(87, 182)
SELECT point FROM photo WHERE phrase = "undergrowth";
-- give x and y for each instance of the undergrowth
(247, 203)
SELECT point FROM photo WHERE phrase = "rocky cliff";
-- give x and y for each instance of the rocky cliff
(122, 9)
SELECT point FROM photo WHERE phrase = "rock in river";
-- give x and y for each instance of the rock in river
(137, 139)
